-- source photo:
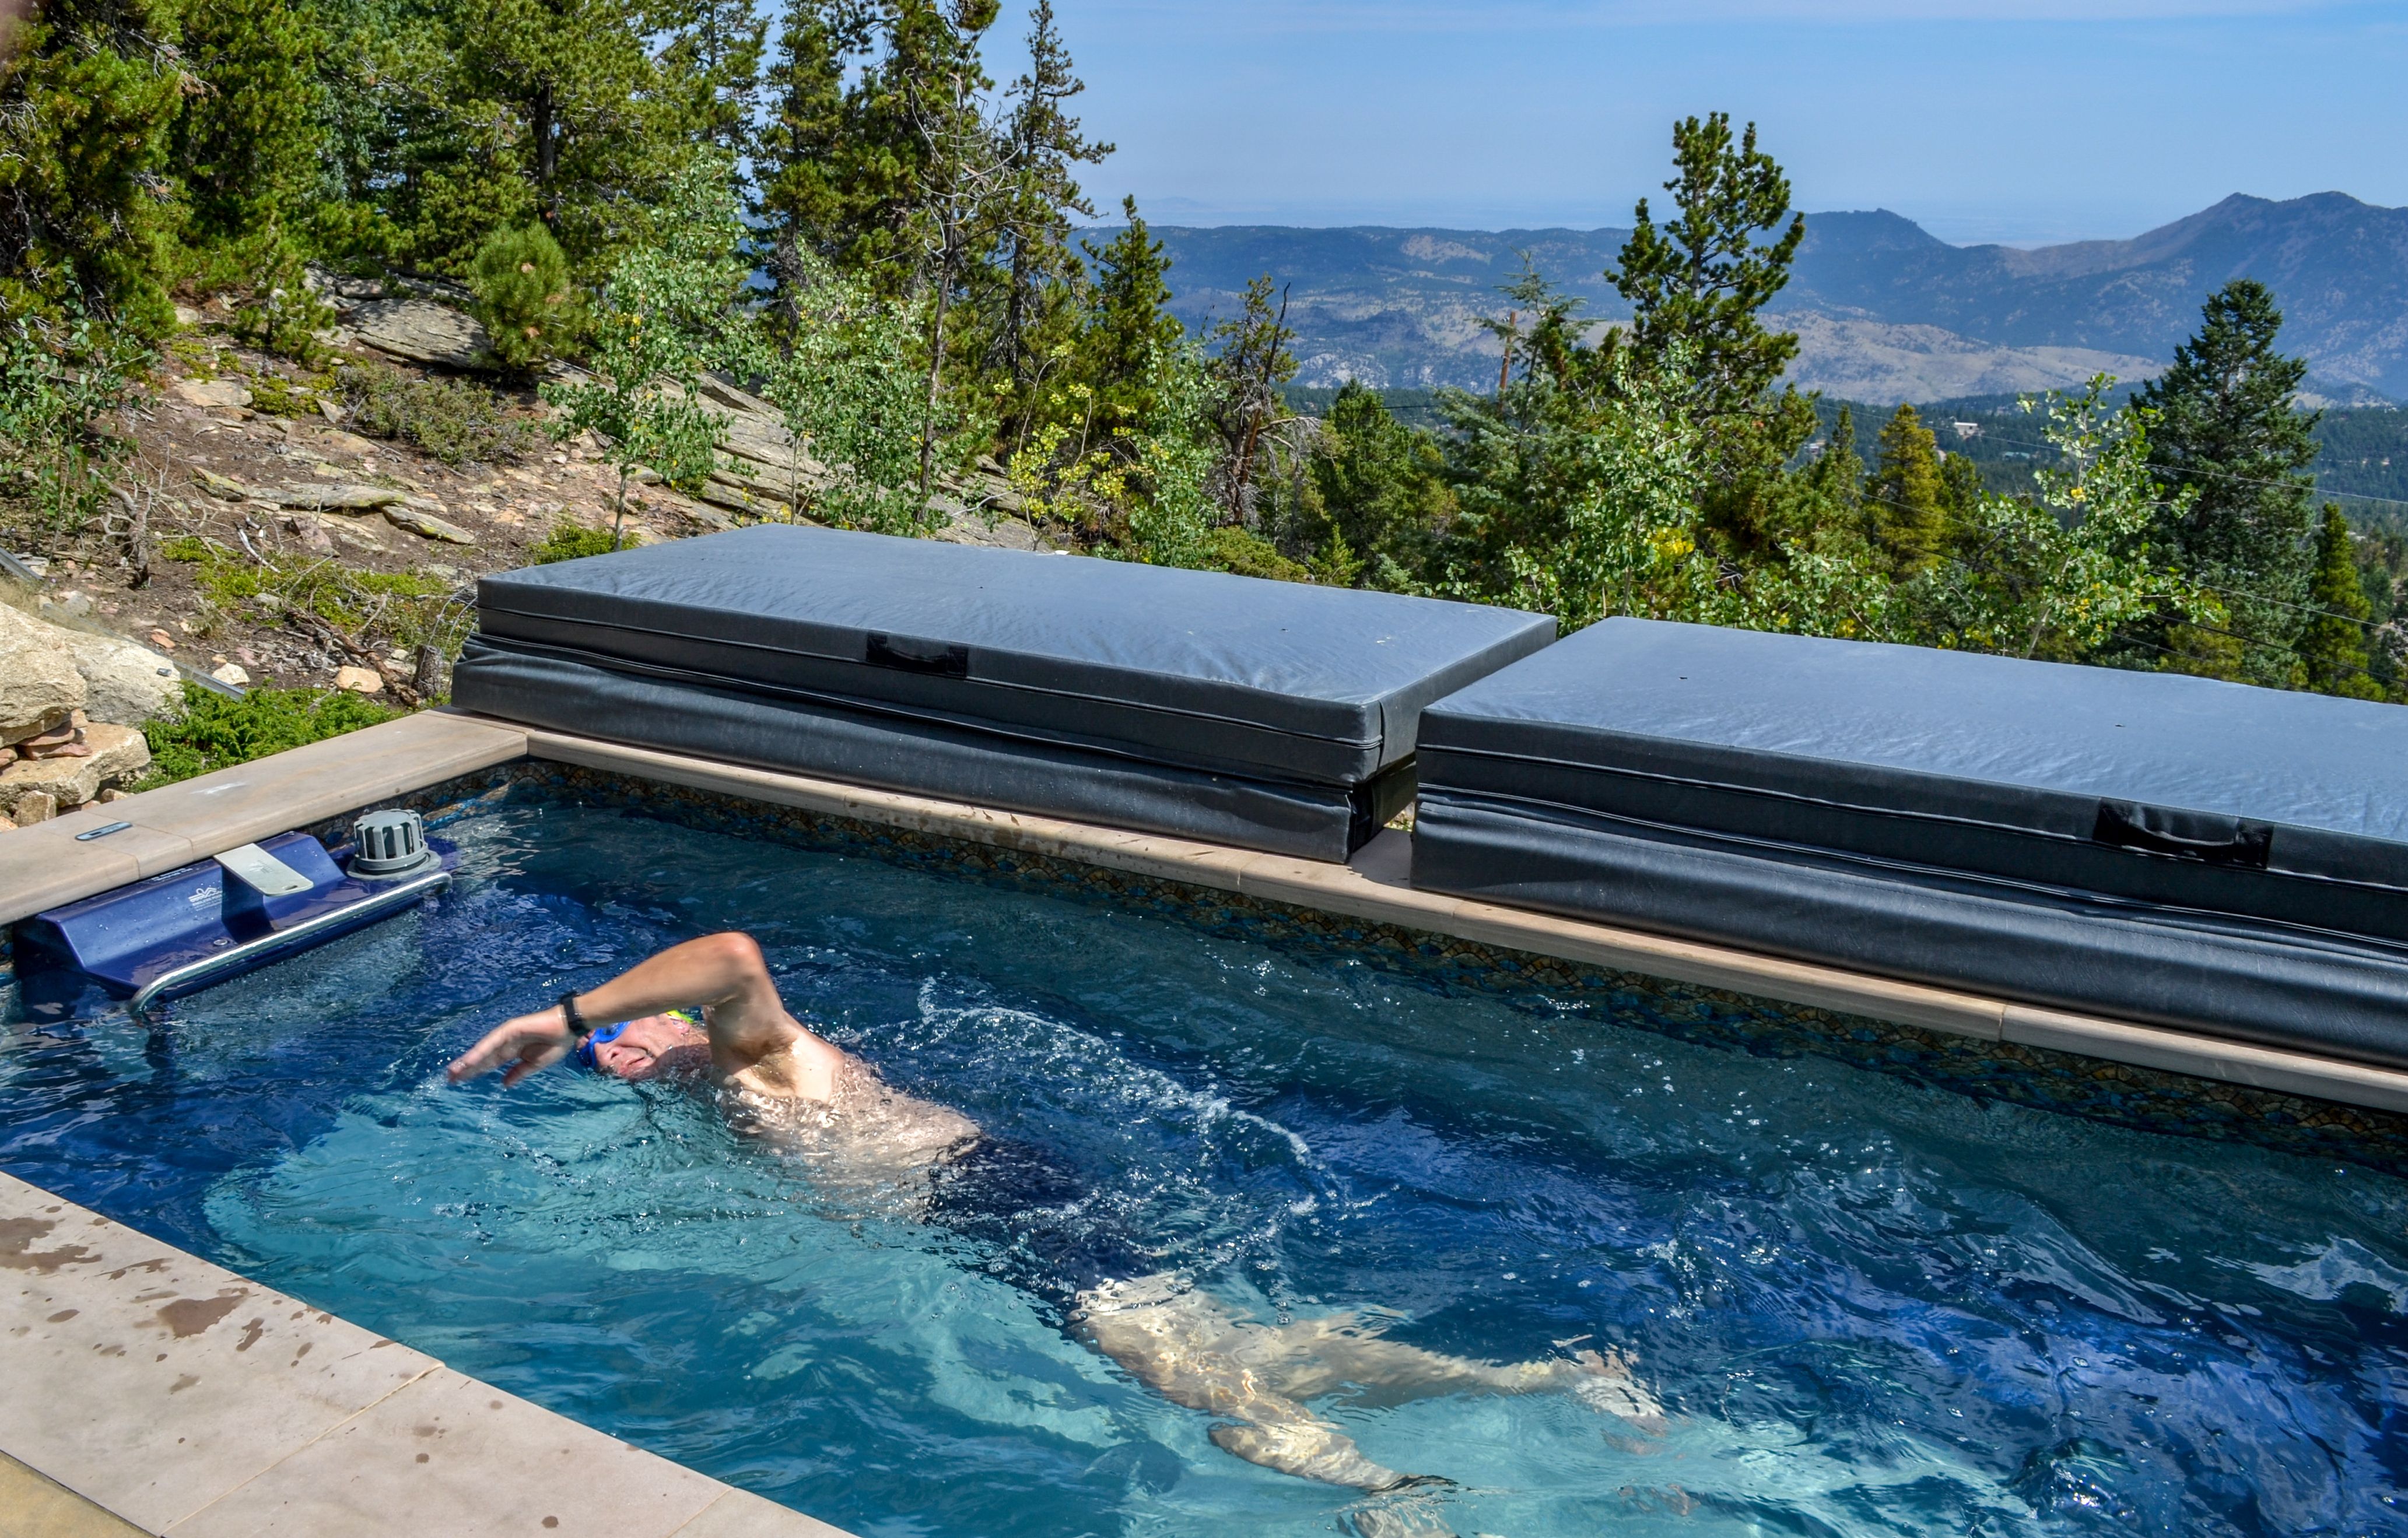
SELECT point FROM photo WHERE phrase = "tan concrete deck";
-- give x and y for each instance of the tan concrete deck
(182, 1400)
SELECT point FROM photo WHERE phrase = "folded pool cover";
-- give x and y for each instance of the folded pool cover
(1271, 715)
(2197, 854)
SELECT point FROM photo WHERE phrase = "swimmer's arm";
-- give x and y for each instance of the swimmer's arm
(723, 973)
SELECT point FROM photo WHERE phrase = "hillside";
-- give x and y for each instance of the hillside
(1885, 311)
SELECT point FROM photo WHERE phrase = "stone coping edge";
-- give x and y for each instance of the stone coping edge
(46, 864)
(190, 1401)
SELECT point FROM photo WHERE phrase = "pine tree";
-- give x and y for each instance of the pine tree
(1697, 285)
(1045, 147)
(1960, 488)
(800, 199)
(2332, 643)
(2227, 427)
(86, 114)
(1382, 490)
(456, 118)
(1905, 501)
(1835, 478)
(1250, 364)
(1127, 327)
(713, 60)
(592, 135)
(248, 147)
(864, 101)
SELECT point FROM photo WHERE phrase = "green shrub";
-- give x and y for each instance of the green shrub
(570, 541)
(274, 395)
(523, 300)
(215, 731)
(278, 313)
(453, 420)
(1249, 554)
(57, 380)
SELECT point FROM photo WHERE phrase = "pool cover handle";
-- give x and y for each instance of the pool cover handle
(910, 654)
(2184, 835)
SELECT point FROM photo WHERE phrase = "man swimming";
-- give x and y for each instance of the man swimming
(1111, 1294)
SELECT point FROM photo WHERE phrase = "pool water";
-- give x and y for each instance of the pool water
(1868, 1307)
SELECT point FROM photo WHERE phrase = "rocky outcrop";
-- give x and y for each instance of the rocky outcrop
(420, 330)
(123, 682)
(40, 687)
(114, 754)
(311, 496)
(763, 474)
(55, 754)
(213, 392)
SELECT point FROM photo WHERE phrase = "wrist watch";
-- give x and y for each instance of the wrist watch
(578, 1026)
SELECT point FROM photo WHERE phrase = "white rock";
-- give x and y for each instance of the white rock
(231, 673)
(359, 680)
(125, 683)
(968, 528)
(427, 526)
(340, 442)
(213, 392)
(342, 498)
(39, 685)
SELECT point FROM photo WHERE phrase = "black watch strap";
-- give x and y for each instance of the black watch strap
(578, 1026)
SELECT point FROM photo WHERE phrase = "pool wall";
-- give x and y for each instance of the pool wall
(2147, 1076)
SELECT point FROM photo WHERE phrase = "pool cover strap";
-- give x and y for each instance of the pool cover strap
(2184, 835)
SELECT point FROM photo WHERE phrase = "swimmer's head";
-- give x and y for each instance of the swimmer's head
(647, 1048)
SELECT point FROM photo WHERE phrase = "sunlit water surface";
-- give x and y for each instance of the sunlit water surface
(1868, 1307)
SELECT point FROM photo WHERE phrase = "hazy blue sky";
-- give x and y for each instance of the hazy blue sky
(1984, 118)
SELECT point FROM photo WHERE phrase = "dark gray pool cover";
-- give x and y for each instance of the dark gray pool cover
(1269, 715)
(2156, 847)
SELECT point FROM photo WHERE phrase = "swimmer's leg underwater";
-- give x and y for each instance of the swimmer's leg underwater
(1187, 1348)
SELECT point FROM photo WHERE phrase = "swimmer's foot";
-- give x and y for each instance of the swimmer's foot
(1309, 1450)
(1410, 1508)
(1605, 1384)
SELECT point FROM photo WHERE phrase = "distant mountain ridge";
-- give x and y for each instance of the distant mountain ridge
(1885, 310)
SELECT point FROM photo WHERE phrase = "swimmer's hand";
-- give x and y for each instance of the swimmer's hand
(528, 1044)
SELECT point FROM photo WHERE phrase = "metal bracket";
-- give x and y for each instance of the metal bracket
(255, 867)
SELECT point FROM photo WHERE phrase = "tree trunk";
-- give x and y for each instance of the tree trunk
(935, 364)
(547, 140)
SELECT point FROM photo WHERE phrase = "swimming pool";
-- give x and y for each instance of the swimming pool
(1868, 1306)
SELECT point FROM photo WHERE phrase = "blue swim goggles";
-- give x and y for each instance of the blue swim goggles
(602, 1036)
(584, 1056)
